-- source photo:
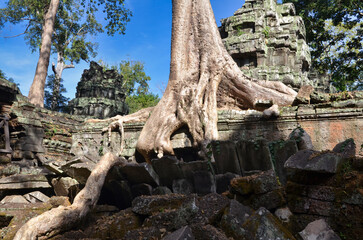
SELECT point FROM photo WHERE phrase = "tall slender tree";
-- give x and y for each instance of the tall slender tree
(69, 21)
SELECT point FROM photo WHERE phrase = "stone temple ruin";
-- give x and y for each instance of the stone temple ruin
(99, 94)
(267, 40)
(290, 175)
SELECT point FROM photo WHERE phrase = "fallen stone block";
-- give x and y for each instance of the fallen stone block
(263, 225)
(147, 205)
(208, 232)
(318, 230)
(24, 182)
(204, 182)
(346, 148)
(36, 196)
(64, 186)
(161, 191)
(225, 156)
(141, 189)
(302, 138)
(188, 168)
(167, 169)
(184, 233)
(140, 173)
(223, 181)
(183, 186)
(233, 218)
(14, 199)
(212, 206)
(305, 162)
(256, 184)
(254, 155)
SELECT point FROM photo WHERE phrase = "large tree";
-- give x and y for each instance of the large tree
(75, 19)
(201, 72)
(335, 36)
(53, 95)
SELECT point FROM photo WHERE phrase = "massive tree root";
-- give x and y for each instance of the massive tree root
(118, 121)
(61, 219)
(202, 73)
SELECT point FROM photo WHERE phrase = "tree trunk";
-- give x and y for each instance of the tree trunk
(62, 218)
(201, 70)
(58, 71)
(36, 92)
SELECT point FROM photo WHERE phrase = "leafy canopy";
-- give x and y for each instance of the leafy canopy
(135, 80)
(334, 33)
(74, 21)
(144, 100)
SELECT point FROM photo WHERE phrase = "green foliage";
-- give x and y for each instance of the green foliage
(62, 101)
(240, 31)
(2, 75)
(135, 80)
(75, 21)
(137, 102)
(334, 33)
(266, 31)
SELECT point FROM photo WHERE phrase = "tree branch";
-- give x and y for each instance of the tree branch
(26, 30)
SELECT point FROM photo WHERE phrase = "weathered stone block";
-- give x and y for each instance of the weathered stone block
(23, 182)
(312, 161)
(347, 148)
(80, 168)
(14, 199)
(167, 169)
(258, 183)
(302, 139)
(254, 155)
(280, 152)
(183, 186)
(211, 207)
(188, 168)
(63, 186)
(226, 158)
(114, 226)
(121, 194)
(141, 189)
(201, 231)
(223, 181)
(36, 196)
(263, 225)
(140, 173)
(184, 233)
(204, 182)
(318, 229)
(161, 191)
(147, 205)
(234, 217)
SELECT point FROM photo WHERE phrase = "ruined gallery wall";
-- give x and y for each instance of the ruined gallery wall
(326, 126)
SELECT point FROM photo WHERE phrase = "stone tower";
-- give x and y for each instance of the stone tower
(267, 40)
(99, 94)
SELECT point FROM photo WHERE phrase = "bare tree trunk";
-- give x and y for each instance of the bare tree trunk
(58, 71)
(62, 218)
(36, 92)
(201, 70)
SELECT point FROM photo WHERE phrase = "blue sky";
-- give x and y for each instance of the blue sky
(147, 39)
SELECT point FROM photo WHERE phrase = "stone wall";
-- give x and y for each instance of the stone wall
(36, 130)
(327, 125)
